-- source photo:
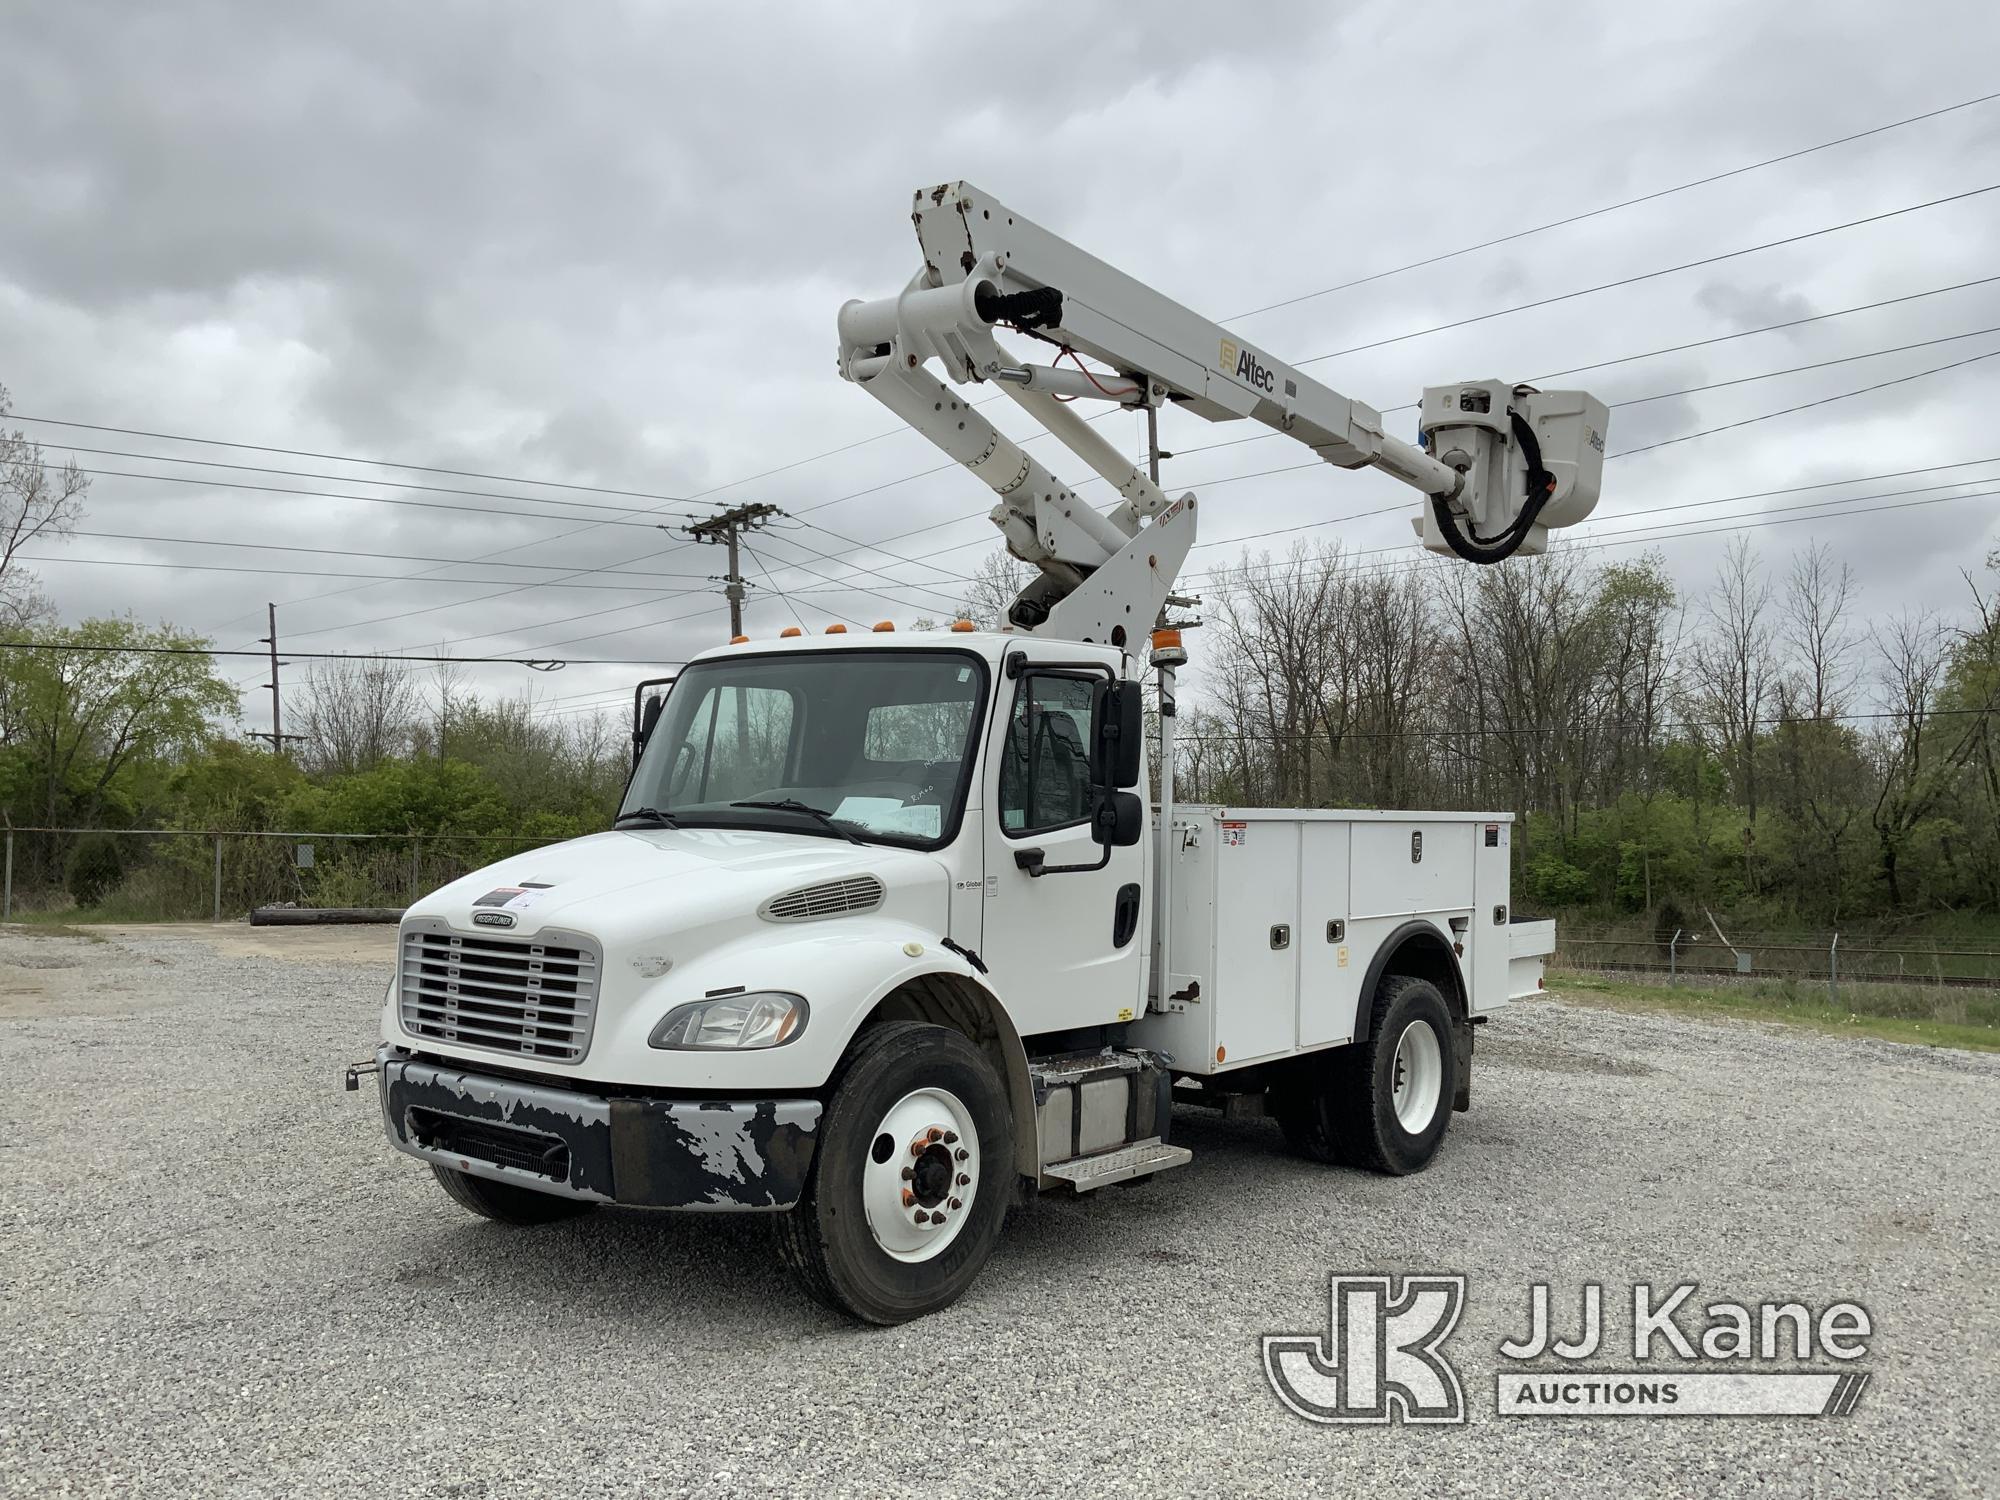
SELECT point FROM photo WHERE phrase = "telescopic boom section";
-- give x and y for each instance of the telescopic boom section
(1499, 465)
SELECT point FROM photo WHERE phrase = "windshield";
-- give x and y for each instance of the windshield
(880, 742)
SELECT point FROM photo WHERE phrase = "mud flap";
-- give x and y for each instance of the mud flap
(1461, 1055)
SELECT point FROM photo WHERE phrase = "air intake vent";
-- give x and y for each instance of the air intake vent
(836, 898)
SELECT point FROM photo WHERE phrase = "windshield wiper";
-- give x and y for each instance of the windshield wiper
(652, 817)
(793, 805)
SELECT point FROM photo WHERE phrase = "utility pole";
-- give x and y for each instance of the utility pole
(277, 736)
(725, 528)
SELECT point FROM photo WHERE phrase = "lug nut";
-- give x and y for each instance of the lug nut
(933, 1133)
(909, 1174)
(964, 1179)
(951, 1137)
(908, 1197)
(921, 1217)
(956, 1204)
(963, 1154)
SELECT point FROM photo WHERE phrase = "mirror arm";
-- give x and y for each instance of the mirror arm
(1031, 861)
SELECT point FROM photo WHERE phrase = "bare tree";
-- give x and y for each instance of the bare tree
(356, 714)
(37, 502)
(1734, 664)
(1918, 758)
(1818, 594)
(995, 582)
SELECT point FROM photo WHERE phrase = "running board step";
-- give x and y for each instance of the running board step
(1087, 1172)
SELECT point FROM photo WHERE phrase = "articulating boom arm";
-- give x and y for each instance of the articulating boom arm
(1500, 465)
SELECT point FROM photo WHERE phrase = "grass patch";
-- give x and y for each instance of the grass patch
(44, 924)
(67, 920)
(1925, 1015)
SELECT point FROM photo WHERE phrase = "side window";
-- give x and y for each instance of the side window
(738, 744)
(1045, 767)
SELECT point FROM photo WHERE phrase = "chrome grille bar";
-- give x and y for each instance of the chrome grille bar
(534, 997)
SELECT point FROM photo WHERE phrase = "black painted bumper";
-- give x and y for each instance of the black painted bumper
(718, 1155)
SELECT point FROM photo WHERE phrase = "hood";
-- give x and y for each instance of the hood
(610, 881)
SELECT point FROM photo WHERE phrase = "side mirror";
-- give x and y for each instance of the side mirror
(1115, 752)
(648, 721)
(646, 712)
(1117, 820)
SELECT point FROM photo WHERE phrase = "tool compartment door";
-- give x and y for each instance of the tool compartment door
(1256, 938)
(1403, 867)
(1329, 975)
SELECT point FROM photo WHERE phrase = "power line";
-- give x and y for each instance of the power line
(1685, 437)
(342, 458)
(175, 565)
(539, 663)
(1315, 464)
(1880, 385)
(1738, 171)
(1403, 506)
(279, 489)
(198, 541)
(1709, 260)
(1262, 735)
(401, 484)
(1578, 218)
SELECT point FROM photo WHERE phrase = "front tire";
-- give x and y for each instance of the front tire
(504, 1203)
(1383, 1103)
(911, 1179)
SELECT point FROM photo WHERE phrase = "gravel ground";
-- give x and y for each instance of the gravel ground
(220, 1280)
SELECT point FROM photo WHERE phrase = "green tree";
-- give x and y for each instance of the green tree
(97, 709)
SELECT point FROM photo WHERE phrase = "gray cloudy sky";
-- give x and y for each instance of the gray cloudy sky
(605, 245)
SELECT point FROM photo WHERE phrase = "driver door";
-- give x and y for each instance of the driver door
(1052, 944)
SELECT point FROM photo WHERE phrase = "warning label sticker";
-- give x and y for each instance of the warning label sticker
(1234, 835)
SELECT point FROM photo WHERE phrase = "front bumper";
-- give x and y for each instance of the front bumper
(718, 1155)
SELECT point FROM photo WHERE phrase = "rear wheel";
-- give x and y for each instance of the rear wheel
(504, 1203)
(910, 1180)
(1383, 1103)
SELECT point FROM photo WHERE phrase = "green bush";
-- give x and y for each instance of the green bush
(95, 869)
(1557, 882)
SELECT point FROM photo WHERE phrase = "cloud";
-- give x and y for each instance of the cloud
(607, 246)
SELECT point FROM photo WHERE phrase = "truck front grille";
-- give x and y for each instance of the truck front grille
(531, 998)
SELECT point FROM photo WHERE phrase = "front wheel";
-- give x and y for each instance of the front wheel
(911, 1178)
(1382, 1103)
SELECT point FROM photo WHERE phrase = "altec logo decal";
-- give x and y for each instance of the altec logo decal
(1246, 367)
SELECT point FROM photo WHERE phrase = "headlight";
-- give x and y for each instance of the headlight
(725, 1023)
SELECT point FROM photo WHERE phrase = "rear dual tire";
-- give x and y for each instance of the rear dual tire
(1382, 1103)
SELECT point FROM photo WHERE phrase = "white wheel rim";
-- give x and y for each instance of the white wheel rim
(919, 1193)
(1419, 1076)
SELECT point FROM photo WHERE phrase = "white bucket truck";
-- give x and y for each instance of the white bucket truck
(884, 936)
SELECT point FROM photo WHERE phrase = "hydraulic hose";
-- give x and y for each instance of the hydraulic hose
(1473, 547)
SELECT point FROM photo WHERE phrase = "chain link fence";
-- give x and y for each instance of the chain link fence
(1823, 957)
(143, 875)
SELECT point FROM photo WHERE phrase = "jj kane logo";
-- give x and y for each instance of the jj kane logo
(1246, 367)
(1381, 1358)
